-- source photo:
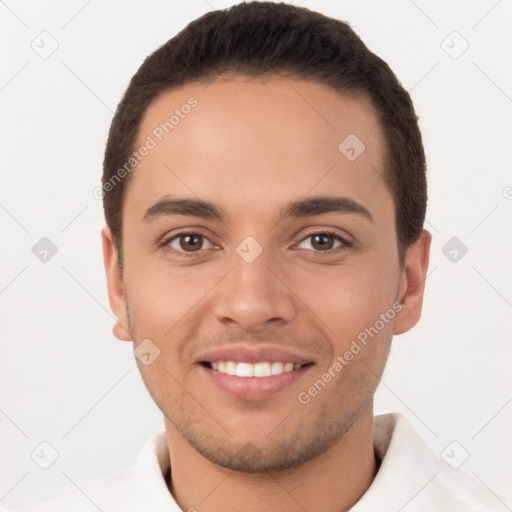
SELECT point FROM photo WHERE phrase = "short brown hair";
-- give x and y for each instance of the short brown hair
(260, 38)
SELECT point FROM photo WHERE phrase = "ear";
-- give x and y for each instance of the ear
(115, 286)
(412, 284)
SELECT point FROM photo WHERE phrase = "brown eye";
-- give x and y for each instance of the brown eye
(187, 244)
(322, 241)
(191, 242)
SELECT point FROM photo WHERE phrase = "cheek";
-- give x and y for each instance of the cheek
(160, 295)
(170, 306)
(348, 298)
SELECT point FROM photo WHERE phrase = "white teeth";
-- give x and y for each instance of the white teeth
(244, 370)
(228, 367)
(263, 369)
(231, 368)
(276, 368)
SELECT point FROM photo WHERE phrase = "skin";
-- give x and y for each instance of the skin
(252, 145)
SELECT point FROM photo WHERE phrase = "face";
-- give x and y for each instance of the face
(260, 260)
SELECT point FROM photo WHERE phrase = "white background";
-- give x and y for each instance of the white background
(66, 380)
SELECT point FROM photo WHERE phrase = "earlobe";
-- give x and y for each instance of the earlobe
(115, 286)
(121, 333)
(412, 284)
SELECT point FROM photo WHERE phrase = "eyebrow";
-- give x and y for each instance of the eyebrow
(308, 207)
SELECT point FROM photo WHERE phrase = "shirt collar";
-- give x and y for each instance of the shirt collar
(149, 485)
(407, 466)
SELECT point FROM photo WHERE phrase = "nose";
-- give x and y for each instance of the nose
(252, 296)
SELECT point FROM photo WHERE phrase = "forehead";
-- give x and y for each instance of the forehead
(245, 141)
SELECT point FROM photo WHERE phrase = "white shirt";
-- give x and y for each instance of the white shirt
(410, 479)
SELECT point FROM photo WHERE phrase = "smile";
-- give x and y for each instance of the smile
(253, 381)
(260, 369)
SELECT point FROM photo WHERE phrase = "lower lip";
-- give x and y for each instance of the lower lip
(254, 388)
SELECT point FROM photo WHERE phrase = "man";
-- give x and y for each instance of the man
(264, 192)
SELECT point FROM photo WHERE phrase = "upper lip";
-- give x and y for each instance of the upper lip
(253, 354)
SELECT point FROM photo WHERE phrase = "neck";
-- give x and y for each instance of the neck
(331, 482)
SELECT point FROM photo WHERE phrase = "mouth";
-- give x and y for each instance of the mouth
(254, 381)
(253, 373)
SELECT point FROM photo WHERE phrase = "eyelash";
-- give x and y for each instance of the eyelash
(165, 243)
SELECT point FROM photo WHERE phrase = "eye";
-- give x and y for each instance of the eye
(190, 243)
(325, 241)
(186, 243)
